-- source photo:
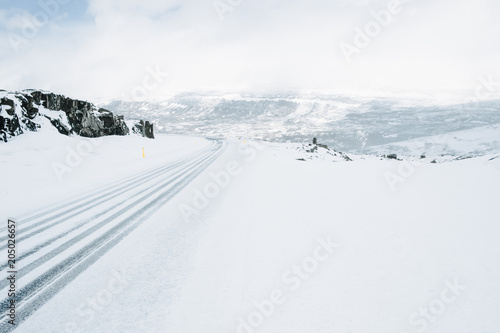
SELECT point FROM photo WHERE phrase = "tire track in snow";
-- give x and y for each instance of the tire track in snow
(103, 198)
(23, 271)
(48, 284)
(89, 200)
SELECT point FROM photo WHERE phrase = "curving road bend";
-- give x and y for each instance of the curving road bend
(62, 242)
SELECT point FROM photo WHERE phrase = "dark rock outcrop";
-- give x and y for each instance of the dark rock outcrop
(144, 128)
(23, 111)
(392, 156)
(314, 150)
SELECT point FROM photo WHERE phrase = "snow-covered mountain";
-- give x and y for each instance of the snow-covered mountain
(32, 110)
(448, 146)
(345, 123)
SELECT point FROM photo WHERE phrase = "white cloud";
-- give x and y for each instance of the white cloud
(261, 45)
(15, 20)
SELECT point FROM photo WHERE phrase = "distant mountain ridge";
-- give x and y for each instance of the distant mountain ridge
(32, 110)
(343, 122)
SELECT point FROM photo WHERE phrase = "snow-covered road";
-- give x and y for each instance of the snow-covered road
(63, 241)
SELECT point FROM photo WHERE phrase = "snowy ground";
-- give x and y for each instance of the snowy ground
(468, 143)
(263, 242)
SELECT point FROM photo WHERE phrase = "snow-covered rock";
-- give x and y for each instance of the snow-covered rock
(31, 110)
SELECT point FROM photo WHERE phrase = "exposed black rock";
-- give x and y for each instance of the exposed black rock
(392, 156)
(314, 150)
(144, 128)
(22, 111)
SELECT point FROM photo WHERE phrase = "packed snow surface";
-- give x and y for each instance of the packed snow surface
(261, 237)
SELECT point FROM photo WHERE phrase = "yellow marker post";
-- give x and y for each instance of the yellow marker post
(143, 155)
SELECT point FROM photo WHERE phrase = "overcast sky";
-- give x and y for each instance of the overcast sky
(123, 48)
